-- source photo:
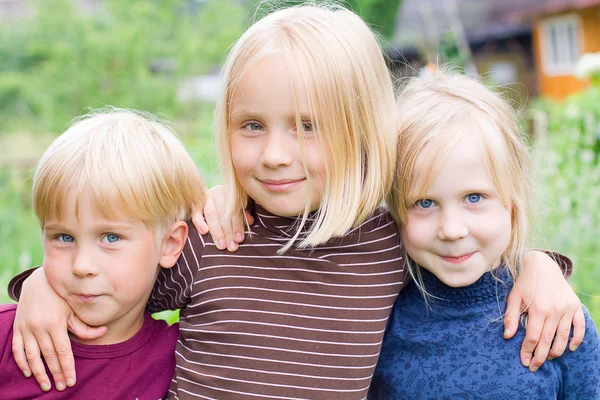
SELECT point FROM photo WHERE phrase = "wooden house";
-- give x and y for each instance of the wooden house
(563, 30)
(531, 45)
(498, 45)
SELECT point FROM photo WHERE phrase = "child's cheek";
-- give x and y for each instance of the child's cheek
(416, 226)
(56, 266)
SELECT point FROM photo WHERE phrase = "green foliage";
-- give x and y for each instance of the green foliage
(127, 54)
(450, 51)
(19, 226)
(381, 14)
(131, 53)
(566, 161)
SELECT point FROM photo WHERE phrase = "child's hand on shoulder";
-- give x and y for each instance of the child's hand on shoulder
(227, 234)
(40, 328)
(552, 306)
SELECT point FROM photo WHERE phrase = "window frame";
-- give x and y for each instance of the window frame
(552, 65)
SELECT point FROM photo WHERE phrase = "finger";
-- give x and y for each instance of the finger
(578, 329)
(55, 369)
(65, 374)
(562, 337)
(51, 356)
(213, 221)
(226, 224)
(512, 315)
(83, 330)
(18, 350)
(229, 237)
(237, 222)
(542, 349)
(32, 352)
(199, 222)
(533, 332)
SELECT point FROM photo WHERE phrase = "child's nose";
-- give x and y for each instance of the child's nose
(279, 149)
(84, 265)
(452, 226)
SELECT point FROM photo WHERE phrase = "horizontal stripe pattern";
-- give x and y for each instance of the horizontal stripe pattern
(307, 324)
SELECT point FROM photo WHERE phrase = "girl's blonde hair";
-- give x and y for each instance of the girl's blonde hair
(133, 165)
(352, 105)
(439, 110)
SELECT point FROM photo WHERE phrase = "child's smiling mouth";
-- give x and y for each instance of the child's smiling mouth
(457, 259)
(281, 185)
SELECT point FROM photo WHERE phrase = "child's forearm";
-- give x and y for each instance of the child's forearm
(33, 329)
(40, 327)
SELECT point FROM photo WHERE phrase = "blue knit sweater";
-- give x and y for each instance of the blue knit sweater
(456, 350)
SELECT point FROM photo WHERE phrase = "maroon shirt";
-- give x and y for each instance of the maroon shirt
(139, 368)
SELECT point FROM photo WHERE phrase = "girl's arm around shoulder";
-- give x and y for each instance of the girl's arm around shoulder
(173, 287)
(579, 371)
(552, 307)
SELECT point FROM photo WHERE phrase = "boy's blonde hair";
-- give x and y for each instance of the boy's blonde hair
(133, 165)
(439, 110)
(352, 103)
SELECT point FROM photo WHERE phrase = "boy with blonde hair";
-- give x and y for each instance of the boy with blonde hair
(112, 195)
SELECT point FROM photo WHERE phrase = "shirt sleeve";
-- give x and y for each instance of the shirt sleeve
(16, 283)
(579, 371)
(564, 262)
(173, 287)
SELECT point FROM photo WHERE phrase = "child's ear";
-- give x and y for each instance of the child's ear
(173, 243)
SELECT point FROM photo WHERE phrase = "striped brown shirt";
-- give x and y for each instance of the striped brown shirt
(307, 324)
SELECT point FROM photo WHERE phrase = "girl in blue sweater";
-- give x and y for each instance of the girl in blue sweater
(462, 194)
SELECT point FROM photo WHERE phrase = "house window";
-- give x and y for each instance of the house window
(561, 45)
(502, 72)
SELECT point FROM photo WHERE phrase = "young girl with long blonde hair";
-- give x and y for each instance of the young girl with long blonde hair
(462, 196)
(307, 136)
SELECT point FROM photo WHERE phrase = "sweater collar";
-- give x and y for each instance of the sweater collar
(282, 227)
(491, 287)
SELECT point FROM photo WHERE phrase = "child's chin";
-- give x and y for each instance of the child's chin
(91, 318)
(459, 281)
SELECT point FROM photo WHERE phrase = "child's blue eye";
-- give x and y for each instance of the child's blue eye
(474, 198)
(65, 238)
(254, 126)
(110, 238)
(425, 203)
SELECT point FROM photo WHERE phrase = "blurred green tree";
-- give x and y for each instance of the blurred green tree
(566, 159)
(380, 14)
(127, 54)
(131, 53)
